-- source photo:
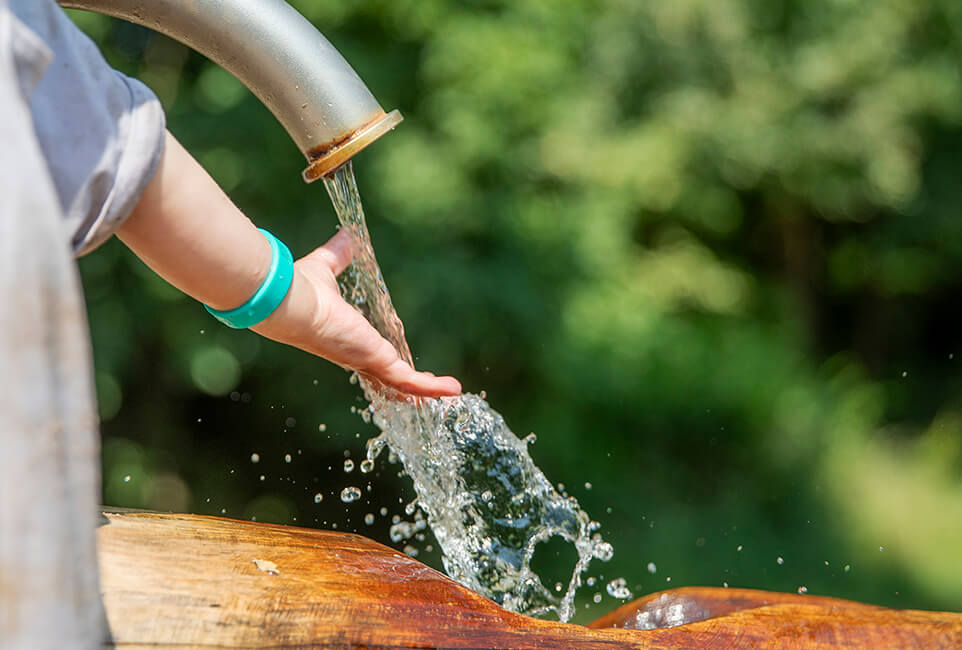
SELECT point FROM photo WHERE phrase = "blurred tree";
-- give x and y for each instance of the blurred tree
(709, 250)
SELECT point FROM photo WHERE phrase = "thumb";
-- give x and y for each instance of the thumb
(336, 253)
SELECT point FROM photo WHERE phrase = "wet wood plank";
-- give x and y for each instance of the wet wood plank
(192, 580)
(195, 581)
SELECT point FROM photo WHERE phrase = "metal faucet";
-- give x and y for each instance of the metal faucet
(282, 58)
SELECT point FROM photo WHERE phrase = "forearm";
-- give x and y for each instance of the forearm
(190, 233)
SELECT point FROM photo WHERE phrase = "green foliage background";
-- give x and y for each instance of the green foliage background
(710, 251)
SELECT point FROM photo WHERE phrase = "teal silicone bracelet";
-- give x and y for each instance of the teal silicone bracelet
(263, 303)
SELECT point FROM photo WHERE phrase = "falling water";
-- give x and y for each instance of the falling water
(487, 503)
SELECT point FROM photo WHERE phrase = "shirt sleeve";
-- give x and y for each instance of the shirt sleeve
(101, 132)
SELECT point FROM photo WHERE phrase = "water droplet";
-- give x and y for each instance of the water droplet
(318, 497)
(410, 550)
(322, 428)
(401, 530)
(369, 519)
(287, 458)
(618, 588)
(668, 579)
(587, 485)
(383, 511)
(262, 477)
(348, 466)
(803, 589)
(411, 507)
(486, 496)
(847, 568)
(596, 598)
(367, 466)
(603, 551)
(350, 494)
(652, 568)
(531, 438)
(725, 585)
(255, 458)
(740, 547)
(780, 560)
(290, 422)
(881, 549)
(905, 373)
(127, 479)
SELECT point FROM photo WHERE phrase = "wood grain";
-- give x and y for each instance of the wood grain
(192, 581)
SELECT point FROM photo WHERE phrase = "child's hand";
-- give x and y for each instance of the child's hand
(188, 231)
(333, 329)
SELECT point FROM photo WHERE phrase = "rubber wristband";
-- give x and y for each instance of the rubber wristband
(270, 294)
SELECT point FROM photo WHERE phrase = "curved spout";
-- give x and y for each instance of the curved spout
(279, 55)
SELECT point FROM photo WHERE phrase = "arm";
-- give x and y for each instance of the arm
(188, 231)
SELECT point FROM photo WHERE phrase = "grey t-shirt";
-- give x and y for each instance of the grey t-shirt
(78, 145)
(101, 132)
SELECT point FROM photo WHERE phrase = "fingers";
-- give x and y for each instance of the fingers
(349, 340)
(403, 377)
(386, 366)
(337, 252)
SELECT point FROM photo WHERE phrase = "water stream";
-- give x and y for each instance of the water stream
(486, 502)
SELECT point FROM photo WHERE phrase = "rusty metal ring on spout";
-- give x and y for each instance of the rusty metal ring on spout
(332, 156)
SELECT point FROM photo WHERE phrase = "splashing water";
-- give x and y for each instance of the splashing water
(487, 503)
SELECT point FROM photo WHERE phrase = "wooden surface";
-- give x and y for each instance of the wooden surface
(193, 581)
(746, 618)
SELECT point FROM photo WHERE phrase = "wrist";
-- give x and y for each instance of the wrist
(269, 294)
(231, 291)
(292, 322)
